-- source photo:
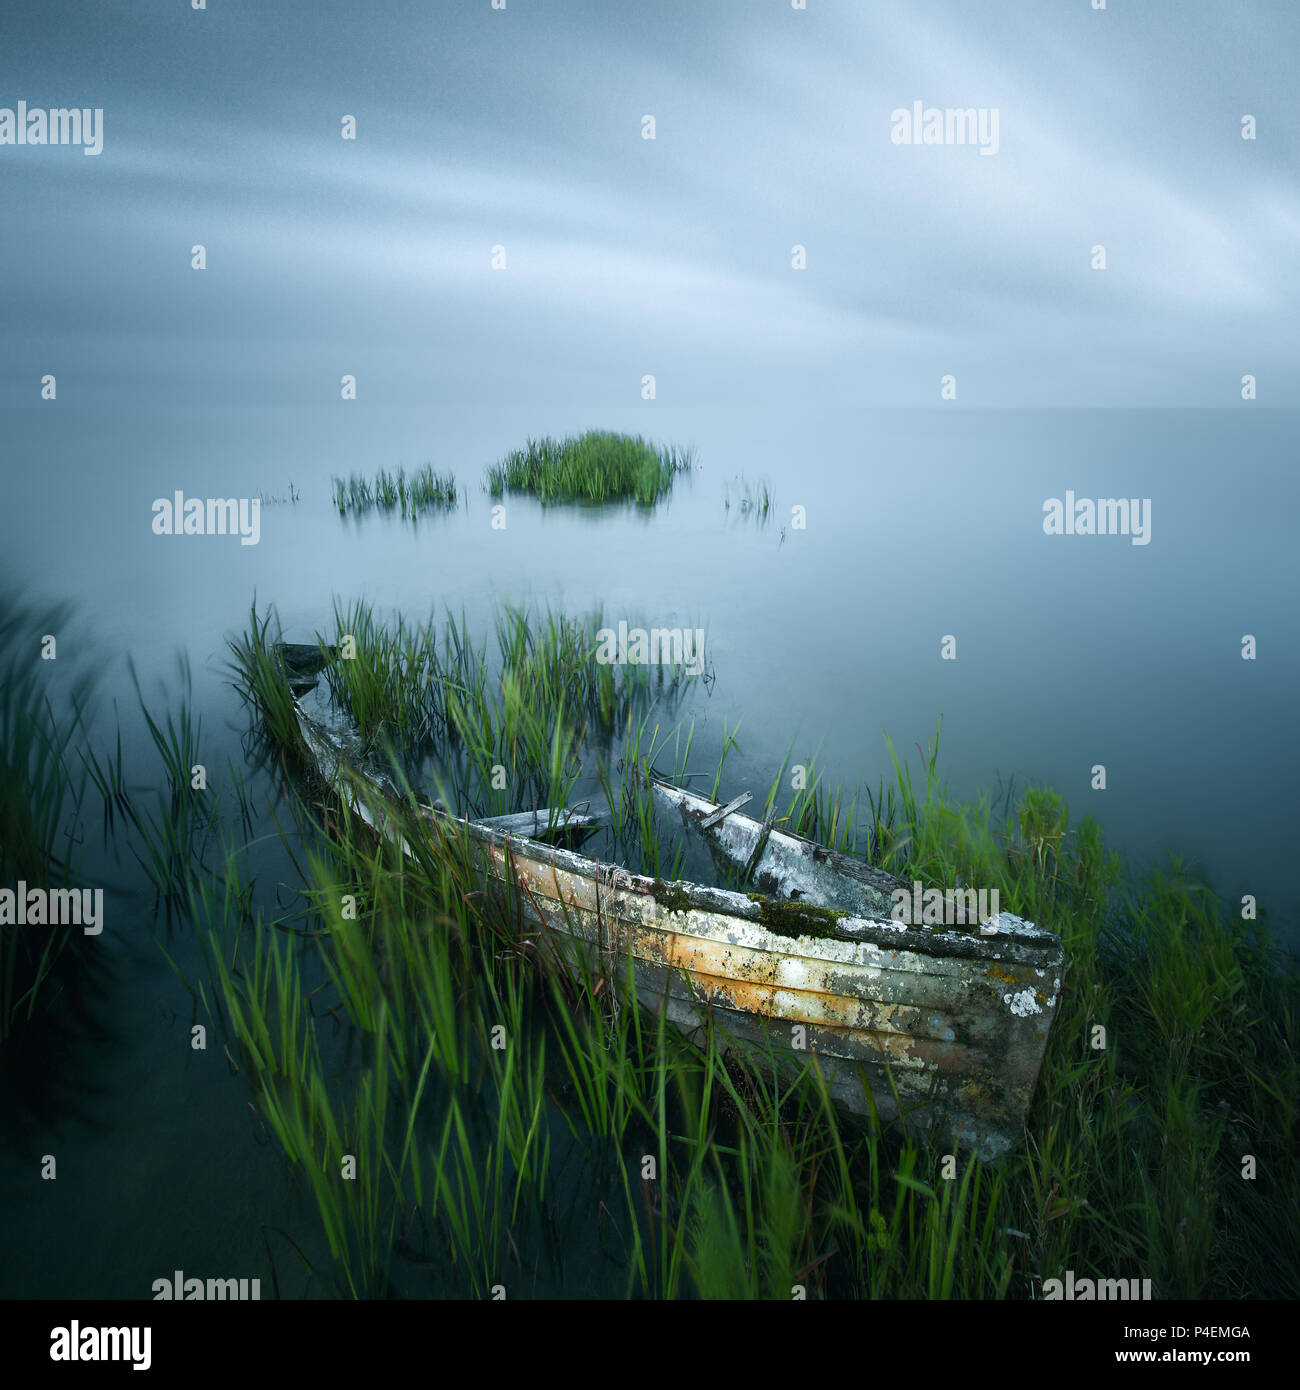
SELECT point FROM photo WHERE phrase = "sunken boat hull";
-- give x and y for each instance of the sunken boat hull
(941, 1031)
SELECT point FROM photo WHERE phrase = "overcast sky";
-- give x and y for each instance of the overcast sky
(625, 256)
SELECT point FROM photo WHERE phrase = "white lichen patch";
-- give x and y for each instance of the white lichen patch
(884, 922)
(1022, 1004)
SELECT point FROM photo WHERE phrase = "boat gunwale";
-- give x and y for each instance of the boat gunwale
(934, 1081)
(1016, 940)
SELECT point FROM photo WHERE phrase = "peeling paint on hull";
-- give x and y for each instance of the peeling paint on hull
(925, 1016)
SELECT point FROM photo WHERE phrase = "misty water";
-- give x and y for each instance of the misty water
(920, 525)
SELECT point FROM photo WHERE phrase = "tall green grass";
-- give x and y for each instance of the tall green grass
(257, 670)
(1134, 1161)
(171, 832)
(425, 490)
(489, 726)
(1131, 1165)
(470, 1103)
(596, 466)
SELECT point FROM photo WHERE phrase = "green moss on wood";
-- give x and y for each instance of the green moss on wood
(671, 897)
(795, 918)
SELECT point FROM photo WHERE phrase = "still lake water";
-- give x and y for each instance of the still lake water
(1071, 651)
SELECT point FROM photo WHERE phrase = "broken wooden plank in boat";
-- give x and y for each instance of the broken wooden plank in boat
(535, 824)
(724, 811)
(946, 1027)
(789, 866)
(760, 844)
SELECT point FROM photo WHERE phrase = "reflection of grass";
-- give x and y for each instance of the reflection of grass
(750, 499)
(597, 466)
(269, 500)
(39, 800)
(423, 491)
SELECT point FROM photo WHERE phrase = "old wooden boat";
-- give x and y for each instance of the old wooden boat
(941, 1030)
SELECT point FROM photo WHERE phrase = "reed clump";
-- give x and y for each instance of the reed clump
(424, 491)
(502, 725)
(597, 466)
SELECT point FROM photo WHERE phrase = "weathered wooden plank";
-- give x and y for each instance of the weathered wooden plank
(788, 866)
(724, 811)
(537, 824)
(928, 1101)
